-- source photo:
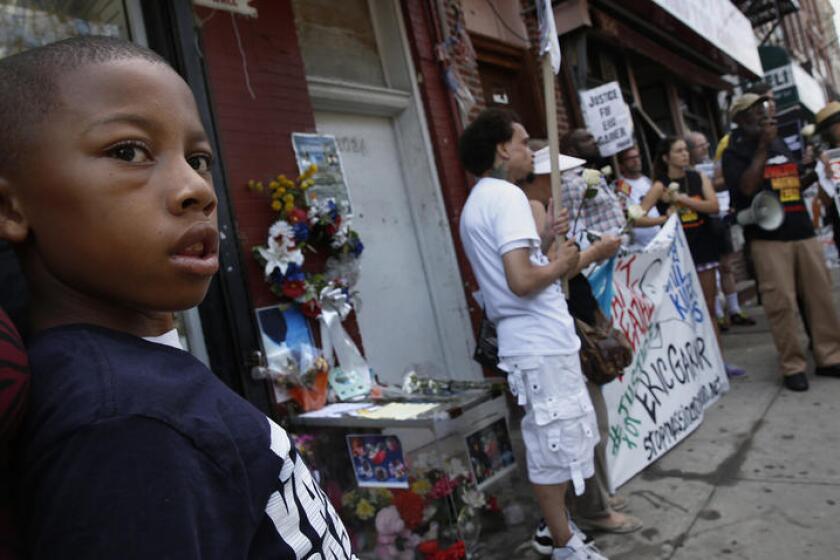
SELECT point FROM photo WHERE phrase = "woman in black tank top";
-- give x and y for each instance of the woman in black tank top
(695, 201)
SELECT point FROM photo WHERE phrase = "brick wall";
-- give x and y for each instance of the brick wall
(255, 133)
(564, 120)
(444, 126)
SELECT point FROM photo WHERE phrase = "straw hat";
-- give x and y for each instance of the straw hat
(744, 102)
(829, 114)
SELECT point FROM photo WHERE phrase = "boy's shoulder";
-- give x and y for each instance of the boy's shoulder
(83, 374)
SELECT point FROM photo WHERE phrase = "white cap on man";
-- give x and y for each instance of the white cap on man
(542, 162)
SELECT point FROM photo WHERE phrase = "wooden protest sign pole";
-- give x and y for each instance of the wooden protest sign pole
(553, 144)
(553, 139)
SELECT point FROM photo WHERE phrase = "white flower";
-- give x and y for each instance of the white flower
(340, 237)
(674, 187)
(455, 468)
(606, 171)
(634, 212)
(474, 498)
(591, 177)
(281, 250)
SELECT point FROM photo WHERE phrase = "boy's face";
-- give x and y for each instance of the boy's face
(520, 158)
(117, 193)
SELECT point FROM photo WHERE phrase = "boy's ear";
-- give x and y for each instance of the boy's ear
(503, 151)
(13, 224)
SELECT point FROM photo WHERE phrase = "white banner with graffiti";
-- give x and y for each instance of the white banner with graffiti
(655, 298)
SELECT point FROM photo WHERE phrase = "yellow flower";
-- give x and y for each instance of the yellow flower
(289, 197)
(421, 487)
(277, 195)
(364, 510)
(276, 205)
(288, 207)
(274, 185)
(313, 169)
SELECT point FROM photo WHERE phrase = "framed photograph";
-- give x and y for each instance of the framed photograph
(490, 452)
(282, 330)
(378, 461)
(330, 182)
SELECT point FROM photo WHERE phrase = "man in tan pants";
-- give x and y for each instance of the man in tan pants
(788, 260)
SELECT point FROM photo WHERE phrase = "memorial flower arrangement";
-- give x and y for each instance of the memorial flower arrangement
(441, 508)
(307, 225)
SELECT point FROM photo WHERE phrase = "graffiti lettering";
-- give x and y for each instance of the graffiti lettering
(665, 436)
(680, 290)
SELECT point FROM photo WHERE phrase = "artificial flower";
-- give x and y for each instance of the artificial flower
(634, 212)
(281, 250)
(606, 171)
(276, 205)
(293, 288)
(591, 177)
(473, 497)
(410, 506)
(421, 486)
(364, 510)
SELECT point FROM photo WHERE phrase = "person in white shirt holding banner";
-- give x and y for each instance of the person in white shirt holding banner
(522, 295)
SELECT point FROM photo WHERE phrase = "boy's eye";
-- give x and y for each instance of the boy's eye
(200, 162)
(131, 153)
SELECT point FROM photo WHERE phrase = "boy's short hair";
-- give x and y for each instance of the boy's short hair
(29, 81)
(477, 146)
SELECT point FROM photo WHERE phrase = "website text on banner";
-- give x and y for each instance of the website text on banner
(677, 369)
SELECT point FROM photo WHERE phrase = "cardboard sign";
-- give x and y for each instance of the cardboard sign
(608, 118)
(677, 369)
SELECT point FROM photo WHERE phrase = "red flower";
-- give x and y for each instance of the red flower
(293, 288)
(310, 308)
(493, 504)
(410, 506)
(443, 487)
(296, 215)
(331, 229)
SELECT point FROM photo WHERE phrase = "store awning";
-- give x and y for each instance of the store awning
(713, 34)
(721, 24)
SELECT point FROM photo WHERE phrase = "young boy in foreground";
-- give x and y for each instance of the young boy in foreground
(132, 448)
(523, 297)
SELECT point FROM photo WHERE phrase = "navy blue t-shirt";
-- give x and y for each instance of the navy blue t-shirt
(133, 449)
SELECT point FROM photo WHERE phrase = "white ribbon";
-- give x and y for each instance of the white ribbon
(335, 307)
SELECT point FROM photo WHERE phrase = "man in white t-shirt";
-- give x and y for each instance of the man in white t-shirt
(630, 167)
(522, 295)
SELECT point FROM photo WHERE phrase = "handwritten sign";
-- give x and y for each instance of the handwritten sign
(677, 369)
(608, 118)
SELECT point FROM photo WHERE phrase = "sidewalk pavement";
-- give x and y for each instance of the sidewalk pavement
(758, 480)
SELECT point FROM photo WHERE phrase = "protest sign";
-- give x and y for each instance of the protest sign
(608, 118)
(677, 369)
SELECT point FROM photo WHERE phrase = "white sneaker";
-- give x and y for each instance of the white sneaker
(575, 549)
(542, 542)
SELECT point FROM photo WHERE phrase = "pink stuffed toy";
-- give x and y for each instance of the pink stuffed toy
(390, 526)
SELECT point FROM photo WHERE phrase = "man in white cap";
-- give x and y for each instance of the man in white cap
(789, 261)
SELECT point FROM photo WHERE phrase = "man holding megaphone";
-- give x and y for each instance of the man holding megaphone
(766, 184)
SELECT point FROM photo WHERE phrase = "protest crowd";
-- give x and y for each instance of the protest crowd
(295, 285)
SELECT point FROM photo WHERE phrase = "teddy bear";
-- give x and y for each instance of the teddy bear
(390, 527)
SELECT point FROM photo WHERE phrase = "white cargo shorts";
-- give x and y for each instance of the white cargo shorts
(559, 428)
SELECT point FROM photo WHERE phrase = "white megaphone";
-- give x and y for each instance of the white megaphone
(765, 211)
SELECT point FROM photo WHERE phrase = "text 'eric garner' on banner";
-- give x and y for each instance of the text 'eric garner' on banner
(677, 369)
